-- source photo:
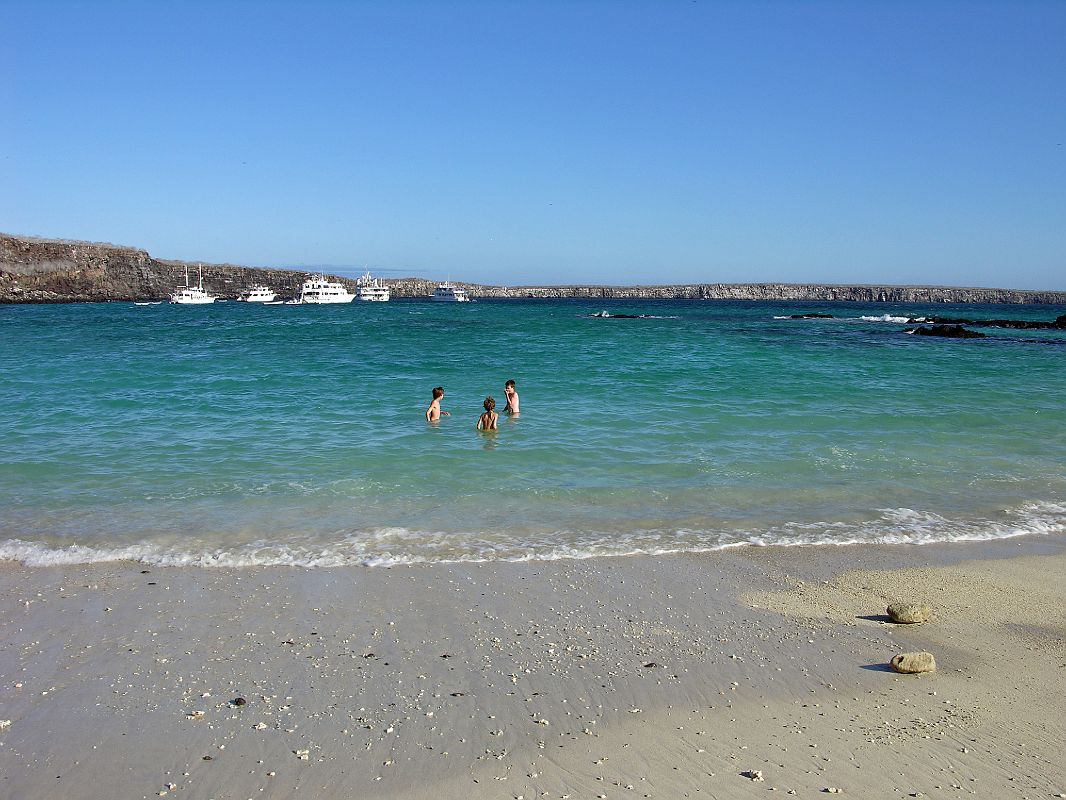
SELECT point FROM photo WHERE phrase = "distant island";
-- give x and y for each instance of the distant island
(57, 271)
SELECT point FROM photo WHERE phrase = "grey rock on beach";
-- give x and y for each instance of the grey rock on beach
(910, 613)
(913, 663)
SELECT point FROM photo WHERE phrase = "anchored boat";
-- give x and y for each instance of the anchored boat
(192, 295)
(257, 294)
(448, 292)
(372, 289)
(318, 290)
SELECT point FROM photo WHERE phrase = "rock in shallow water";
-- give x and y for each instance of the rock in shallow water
(910, 613)
(913, 663)
(949, 331)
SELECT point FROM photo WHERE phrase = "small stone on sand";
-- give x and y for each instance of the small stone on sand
(912, 663)
(909, 613)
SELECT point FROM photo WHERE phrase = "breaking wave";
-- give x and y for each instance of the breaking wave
(400, 546)
(890, 318)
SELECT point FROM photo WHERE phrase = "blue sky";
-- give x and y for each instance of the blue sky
(549, 142)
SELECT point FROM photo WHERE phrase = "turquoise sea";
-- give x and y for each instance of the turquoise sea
(240, 434)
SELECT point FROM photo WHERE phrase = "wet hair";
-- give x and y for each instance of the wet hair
(509, 384)
(438, 391)
(489, 404)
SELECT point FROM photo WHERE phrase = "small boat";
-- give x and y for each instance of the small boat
(192, 295)
(372, 289)
(257, 294)
(317, 290)
(448, 292)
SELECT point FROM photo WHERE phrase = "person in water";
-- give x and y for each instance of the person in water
(434, 413)
(487, 421)
(512, 407)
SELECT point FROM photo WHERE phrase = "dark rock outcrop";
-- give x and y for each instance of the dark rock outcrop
(1021, 324)
(947, 331)
(55, 271)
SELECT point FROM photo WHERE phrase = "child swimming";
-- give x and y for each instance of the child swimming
(434, 412)
(512, 406)
(487, 421)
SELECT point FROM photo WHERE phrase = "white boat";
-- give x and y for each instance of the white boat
(192, 295)
(448, 292)
(257, 294)
(372, 289)
(317, 290)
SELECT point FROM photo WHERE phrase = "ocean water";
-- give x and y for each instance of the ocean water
(238, 434)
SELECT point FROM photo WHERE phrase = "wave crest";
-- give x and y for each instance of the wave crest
(396, 546)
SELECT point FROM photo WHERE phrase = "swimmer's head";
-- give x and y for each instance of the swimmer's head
(489, 404)
(438, 392)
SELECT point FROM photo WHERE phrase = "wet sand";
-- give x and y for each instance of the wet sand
(637, 677)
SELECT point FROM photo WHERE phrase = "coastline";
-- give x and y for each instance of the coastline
(615, 677)
(43, 271)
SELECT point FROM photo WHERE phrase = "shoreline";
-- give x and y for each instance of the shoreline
(634, 676)
(421, 290)
(43, 271)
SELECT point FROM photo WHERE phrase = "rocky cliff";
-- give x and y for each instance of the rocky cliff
(54, 271)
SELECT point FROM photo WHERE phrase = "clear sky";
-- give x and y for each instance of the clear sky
(548, 142)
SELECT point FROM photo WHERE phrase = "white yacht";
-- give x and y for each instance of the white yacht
(317, 289)
(257, 294)
(192, 295)
(448, 292)
(372, 289)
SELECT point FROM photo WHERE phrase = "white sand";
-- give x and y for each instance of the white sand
(618, 678)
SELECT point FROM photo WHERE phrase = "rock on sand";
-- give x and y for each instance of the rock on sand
(910, 613)
(910, 663)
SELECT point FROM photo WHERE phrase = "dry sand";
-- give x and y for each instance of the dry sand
(610, 678)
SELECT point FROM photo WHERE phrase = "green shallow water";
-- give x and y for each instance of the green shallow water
(243, 434)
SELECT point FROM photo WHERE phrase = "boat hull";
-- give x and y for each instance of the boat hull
(329, 301)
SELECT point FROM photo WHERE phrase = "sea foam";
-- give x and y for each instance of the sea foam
(891, 318)
(401, 546)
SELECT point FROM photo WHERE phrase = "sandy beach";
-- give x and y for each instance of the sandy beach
(721, 675)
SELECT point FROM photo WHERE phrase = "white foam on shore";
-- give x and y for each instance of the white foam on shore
(398, 546)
